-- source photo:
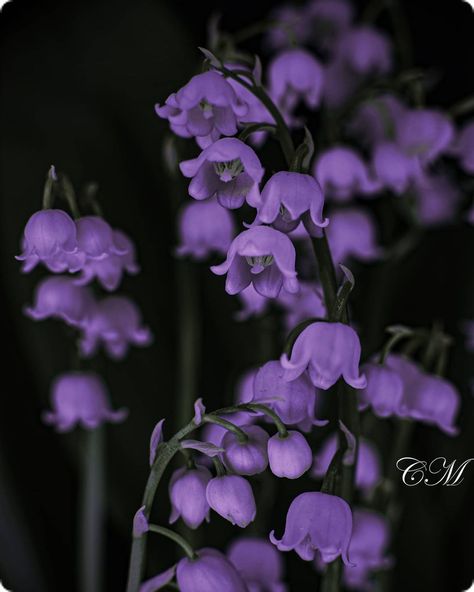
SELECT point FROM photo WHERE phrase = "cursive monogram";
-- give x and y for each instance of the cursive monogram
(436, 472)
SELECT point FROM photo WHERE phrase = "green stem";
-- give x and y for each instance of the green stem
(392, 342)
(327, 273)
(91, 512)
(280, 426)
(175, 537)
(227, 425)
(70, 196)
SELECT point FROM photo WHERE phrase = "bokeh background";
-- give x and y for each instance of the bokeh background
(78, 83)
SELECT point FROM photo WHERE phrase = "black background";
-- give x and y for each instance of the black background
(78, 85)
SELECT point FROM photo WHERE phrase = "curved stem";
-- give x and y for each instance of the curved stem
(175, 537)
(227, 425)
(274, 416)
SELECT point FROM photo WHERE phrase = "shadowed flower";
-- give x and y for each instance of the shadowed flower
(205, 108)
(394, 168)
(307, 303)
(96, 239)
(438, 199)
(187, 491)
(80, 398)
(204, 227)
(227, 169)
(289, 456)
(253, 304)
(329, 351)
(366, 50)
(262, 256)
(290, 24)
(374, 120)
(328, 20)
(463, 147)
(383, 392)
(352, 234)
(317, 522)
(246, 458)
(259, 564)
(231, 496)
(210, 572)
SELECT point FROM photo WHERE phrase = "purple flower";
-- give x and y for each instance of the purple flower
(205, 108)
(50, 237)
(60, 298)
(227, 169)
(395, 169)
(328, 351)
(374, 120)
(232, 498)
(289, 457)
(80, 398)
(288, 198)
(246, 458)
(244, 387)
(366, 50)
(259, 564)
(96, 239)
(211, 571)
(262, 256)
(342, 174)
(140, 522)
(253, 304)
(187, 491)
(294, 75)
(307, 303)
(317, 522)
(438, 199)
(290, 23)
(424, 133)
(368, 465)
(463, 147)
(352, 234)
(116, 323)
(328, 20)
(204, 227)
(110, 269)
(383, 392)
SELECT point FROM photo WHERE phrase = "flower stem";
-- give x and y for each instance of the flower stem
(227, 425)
(175, 537)
(280, 426)
(327, 274)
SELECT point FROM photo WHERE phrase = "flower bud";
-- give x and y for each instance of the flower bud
(231, 496)
(246, 458)
(187, 491)
(289, 457)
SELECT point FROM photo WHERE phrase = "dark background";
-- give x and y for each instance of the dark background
(78, 85)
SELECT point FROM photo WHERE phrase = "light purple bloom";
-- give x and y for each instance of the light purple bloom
(463, 147)
(246, 458)
(352, 234)
(368, 465)
(288, 198)
(80, 398)
(116, 323)
(204, 227)
(187, 491)
(366, 50)
(295, 75)
(289, 457)
(342, 173)
(156, 438)
(262, 256)
(317, 522)
(329, 351)
(307, 303)
(259, 564)
(96, 239)
(394, 168)
(438, 199)
(244, 387)
(227, 169)
(205, 108)
(383, 392)
(231, 496)
(374, 120)
(253, 303)
(60, 298)
(210, 572)
(159, 581)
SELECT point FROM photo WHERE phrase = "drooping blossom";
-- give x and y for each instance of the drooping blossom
(368, 464)
(328, 351)
(262, 256)
(342, 173)
(244, 387)
(210, 572)
(205, 108)
(187, 491)
(96, 239)
(259, 564)
(317, 522)
(231, 496)
(227, 169)
(59, 297)
(384, 390)
(463, 147)
(80, 398)
(246, 458)
(307, 303)
(394, 168)
(365, 50)
(289, 198)
(374, 120)
(437, 199)
(352, 233)
(50, 237)
(295, 75)
(204, 227)
(253, 304)
(116, 324)
(289, 456)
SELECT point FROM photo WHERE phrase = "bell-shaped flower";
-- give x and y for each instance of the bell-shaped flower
(204, 227)
(317, 522)
(50, 237)
(227, 169)
(384, 390)
(211, 571)
(394, 168)
(342, 173)
(329, 351)
(231, 496)
(60, 298)
(253, 304)
(262, 256)
(307, 303)
(352, 233)
(368, 464)
(116, 323)
(205, 108)
(289, 456)
(295, 75)
(463, 147)
(437, 199)
(289, 198)
(259, 564)
(374, 120)
(244, 387)
(366, 50)
(187, 491)
(80, 398)
(96, 240)
(424, 133)
(246, 458)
